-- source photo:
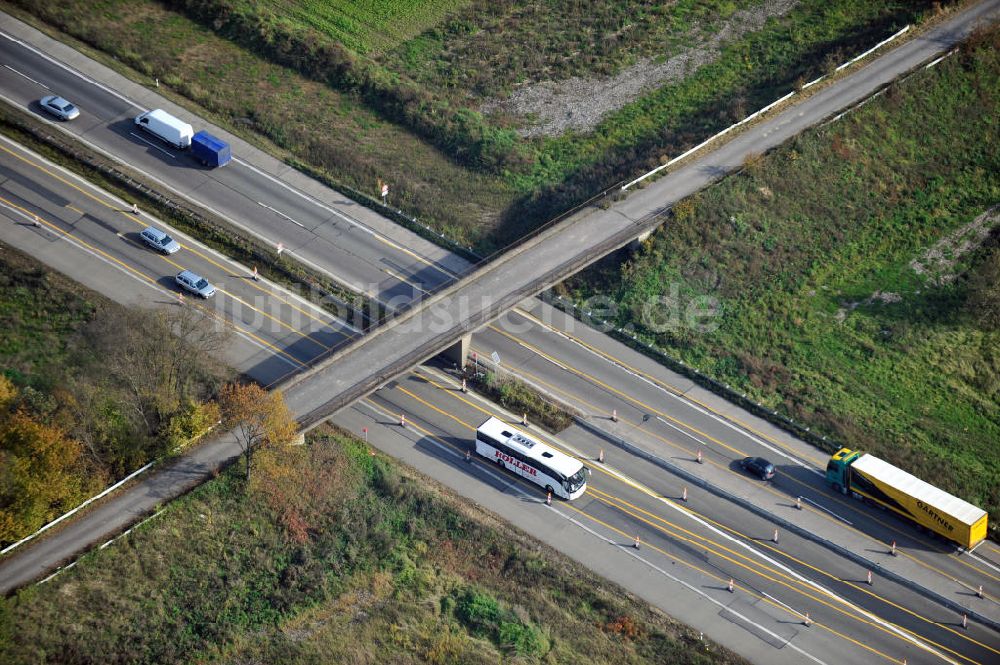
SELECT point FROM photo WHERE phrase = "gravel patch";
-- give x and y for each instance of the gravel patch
(937, 264)
(551, 108)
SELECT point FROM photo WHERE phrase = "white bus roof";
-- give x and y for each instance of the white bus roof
(559, 462)
(963, 511)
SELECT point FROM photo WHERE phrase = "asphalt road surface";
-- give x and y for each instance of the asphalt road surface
(689, 549)
(266, 198)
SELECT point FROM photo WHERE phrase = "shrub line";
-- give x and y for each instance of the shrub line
(762, 111)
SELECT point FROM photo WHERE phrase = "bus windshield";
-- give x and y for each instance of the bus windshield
(576, 481)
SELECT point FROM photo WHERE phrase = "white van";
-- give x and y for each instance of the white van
(161, 124)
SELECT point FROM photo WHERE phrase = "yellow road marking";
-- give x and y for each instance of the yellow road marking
(665, 386)
(715, 544)
(142, 275)
(97, 250)
(617, 392)
(745, 590)
(792, 579)
(838, 500)
(142, 224)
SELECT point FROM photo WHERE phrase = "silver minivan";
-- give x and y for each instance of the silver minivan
(159, 240)
(196, 284)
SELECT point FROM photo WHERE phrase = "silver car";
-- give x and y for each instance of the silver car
(59, 107)
(159, 240)
(196, 284)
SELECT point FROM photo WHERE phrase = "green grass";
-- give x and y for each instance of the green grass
(364, 27)
(387, 569)
(40, 314)
(408, 115)
(520, 398)
(208, 229)
(797, 244)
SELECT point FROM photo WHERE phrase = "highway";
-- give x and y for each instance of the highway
(263, 196)
(702, 542)
(94, 238)
(597, 376)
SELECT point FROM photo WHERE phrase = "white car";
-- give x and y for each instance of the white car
(196, 284)
(59, 107)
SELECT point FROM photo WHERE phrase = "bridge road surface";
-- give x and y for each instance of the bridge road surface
(164, 485)
(267, 198)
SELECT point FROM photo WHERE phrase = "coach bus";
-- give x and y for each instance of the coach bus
(555, 472)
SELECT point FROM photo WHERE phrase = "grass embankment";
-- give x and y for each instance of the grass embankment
(333, 555)
(89, 390)
(839, 263)
(352, 113)
(520, 398)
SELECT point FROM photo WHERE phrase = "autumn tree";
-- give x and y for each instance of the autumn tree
(158, 358)
(257, 417)
(42, 474)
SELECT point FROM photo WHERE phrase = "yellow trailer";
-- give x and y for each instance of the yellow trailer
(850, 471)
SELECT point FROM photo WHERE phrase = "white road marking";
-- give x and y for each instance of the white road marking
(156, 287)
(64, 568)
(278, 212)
(682, 431)
(680, 398)
(788, 571)
(625, 479)
(64, 67)
(827, 510)
(479, 468)
(520, 492)
(189, 242)
(153, 145)
(981, 559)
(635, 555)
(343, 282)
(27, 77)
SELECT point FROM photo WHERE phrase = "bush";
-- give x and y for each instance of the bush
(479, 611)
(194, 420)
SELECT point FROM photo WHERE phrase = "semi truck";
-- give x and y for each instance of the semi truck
(876, 481)
(209, 150)
(166, 127)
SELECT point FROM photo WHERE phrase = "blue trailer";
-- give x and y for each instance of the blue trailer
(209, 150)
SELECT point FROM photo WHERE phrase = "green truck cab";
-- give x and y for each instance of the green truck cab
(838, 469)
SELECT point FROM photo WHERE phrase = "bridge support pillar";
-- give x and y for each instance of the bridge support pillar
(458, 352)
(636, 244)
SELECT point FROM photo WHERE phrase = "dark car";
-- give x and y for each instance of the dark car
(759, 467)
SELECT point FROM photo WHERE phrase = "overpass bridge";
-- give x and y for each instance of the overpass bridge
(446, 317)
(443, 321)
